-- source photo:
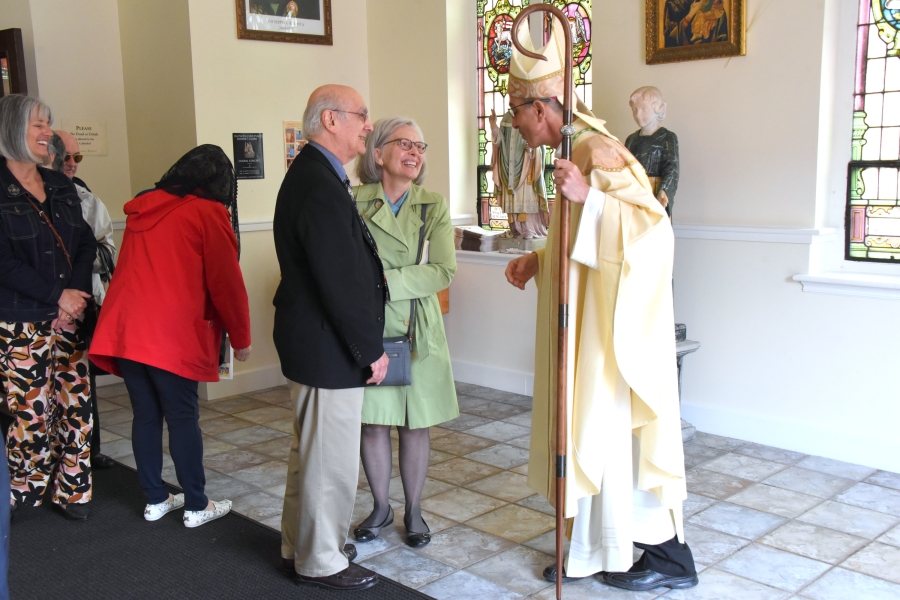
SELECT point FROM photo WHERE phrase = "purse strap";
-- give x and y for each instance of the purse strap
(59, 241)
(412, 302)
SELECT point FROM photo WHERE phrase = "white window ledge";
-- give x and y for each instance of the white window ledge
(484, 258)
(864, 285)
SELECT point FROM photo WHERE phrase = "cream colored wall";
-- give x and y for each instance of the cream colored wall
(159, 90)
(248, 86)
(398, 83)
(79, 72)
(16, 14)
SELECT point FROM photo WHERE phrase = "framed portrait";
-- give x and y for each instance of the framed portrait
(679, 30)
(298, 21)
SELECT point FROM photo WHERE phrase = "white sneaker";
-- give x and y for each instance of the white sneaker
(154, 512)
(196, 518)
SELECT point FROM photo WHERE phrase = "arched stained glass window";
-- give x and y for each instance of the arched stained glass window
(873, 209)
(494, 19)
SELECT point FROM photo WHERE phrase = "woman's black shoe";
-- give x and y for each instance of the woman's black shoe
(367, 534)
(75, 512)
(416, 540)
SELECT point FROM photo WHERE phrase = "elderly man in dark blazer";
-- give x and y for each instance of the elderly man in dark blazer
(329, 318)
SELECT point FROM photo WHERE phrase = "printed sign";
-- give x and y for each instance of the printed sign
(248, 155)
(91, 136)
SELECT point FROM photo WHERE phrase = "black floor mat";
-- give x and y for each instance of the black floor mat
(117, 555)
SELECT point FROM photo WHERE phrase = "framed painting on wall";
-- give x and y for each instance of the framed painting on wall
(298, 21)
(679, 30)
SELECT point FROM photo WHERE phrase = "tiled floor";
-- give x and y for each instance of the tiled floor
(762, 522)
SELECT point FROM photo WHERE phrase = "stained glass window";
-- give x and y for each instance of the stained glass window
(495, 18)
(873, 198)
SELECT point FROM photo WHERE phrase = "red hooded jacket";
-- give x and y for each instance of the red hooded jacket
(177, 283)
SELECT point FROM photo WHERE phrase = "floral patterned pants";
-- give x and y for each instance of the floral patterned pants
(44, 374)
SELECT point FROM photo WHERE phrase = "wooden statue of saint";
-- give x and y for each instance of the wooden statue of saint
(655, 147)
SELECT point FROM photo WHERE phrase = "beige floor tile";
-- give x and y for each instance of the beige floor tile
(465, 421)
(519, 569)
(773, 567)
(282, 425)
(276, 395)
(439, 432)
(431, 488)
(499, 431)
(278, 447)
(539, 503)
(523, 442)
(495, 411)
(205, 414)
(502, 456)
(234, 460)
(460, 471)
(106, 406)
(460, 505)
(786, 457)
(264, 475)
(737, 520)
(437, 456)
(513, 522)
(718, 441)
(466, 585)
(813, 541)
(123, 400)
(108, 436)
(745, 467)
(695, 503)
(220, 486)
(235, 404)
(116, 416)
(713, 484)
(118, 448)
(362, 507)
(507, 486)
(521, 469)
(213, 446)
(872, 497)
(708, 546)
(777, 501)
(885, 479)
(721, 585)
(120, 429)
(258, 506)
(407, 567)
(250, 436)
(841, 584)
(462, 546)
(397, 532)
(591, 588)
(523, 419)
(265, 414)
(892, 537)
(813, 483)
(849, 519)
(222, 425)
(110, 391)
(877, 560)
(698, 454)
(546, 543)
(460, 444)
(836, 467)
(277, 490)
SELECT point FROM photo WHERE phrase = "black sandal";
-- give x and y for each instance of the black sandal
(367, 534)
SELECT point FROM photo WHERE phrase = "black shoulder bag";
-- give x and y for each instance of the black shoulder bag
(398, 348)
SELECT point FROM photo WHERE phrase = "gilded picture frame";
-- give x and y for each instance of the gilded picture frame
(295, 21)
(681, 30)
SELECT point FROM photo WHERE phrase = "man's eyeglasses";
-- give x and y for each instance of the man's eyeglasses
(76, 157)
(363, 114)
(532, 101)
(408, 145)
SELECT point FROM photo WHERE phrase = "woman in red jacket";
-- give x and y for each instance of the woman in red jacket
(177, 285)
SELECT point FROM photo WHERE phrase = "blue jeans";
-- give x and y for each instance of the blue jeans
(156, 393)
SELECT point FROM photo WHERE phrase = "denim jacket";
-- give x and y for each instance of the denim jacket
(33, 271)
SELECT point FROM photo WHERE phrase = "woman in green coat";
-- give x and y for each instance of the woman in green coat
(391, 202)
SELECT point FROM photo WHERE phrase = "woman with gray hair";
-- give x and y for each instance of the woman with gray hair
(46, 258)
(395, 208)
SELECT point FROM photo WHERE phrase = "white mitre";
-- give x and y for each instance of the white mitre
(536, 78)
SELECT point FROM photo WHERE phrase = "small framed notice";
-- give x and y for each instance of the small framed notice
(248, 156)
(293, 142)
(91, 136)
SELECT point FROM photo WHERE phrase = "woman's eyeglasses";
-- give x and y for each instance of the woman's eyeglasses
(76, 157)
(408, 145)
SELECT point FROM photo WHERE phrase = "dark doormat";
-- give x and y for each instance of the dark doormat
(117, 555)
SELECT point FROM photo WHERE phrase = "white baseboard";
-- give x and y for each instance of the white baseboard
(799, 436)
(507, 380)
(244, 382)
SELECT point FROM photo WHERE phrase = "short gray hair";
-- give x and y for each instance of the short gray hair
(312, 116)
(15, 112)
(57, 148)
(367, 169)
(651, 93)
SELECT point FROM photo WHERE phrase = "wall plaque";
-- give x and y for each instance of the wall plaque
(248, 155)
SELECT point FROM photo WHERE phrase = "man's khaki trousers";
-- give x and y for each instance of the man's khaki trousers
(323, 470)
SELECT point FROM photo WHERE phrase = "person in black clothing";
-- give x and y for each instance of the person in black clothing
(329, 318)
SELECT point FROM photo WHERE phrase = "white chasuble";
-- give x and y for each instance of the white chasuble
(622, 378)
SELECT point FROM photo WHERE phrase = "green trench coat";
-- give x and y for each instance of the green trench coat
(431, 399)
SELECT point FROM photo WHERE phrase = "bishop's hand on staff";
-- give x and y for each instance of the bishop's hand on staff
(625, 480)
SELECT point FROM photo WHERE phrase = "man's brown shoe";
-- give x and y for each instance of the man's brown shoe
(351, 579)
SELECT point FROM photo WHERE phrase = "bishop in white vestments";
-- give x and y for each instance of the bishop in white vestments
(625, 480)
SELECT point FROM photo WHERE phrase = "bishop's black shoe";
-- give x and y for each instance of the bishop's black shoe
(550, 575)
(642, 581)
